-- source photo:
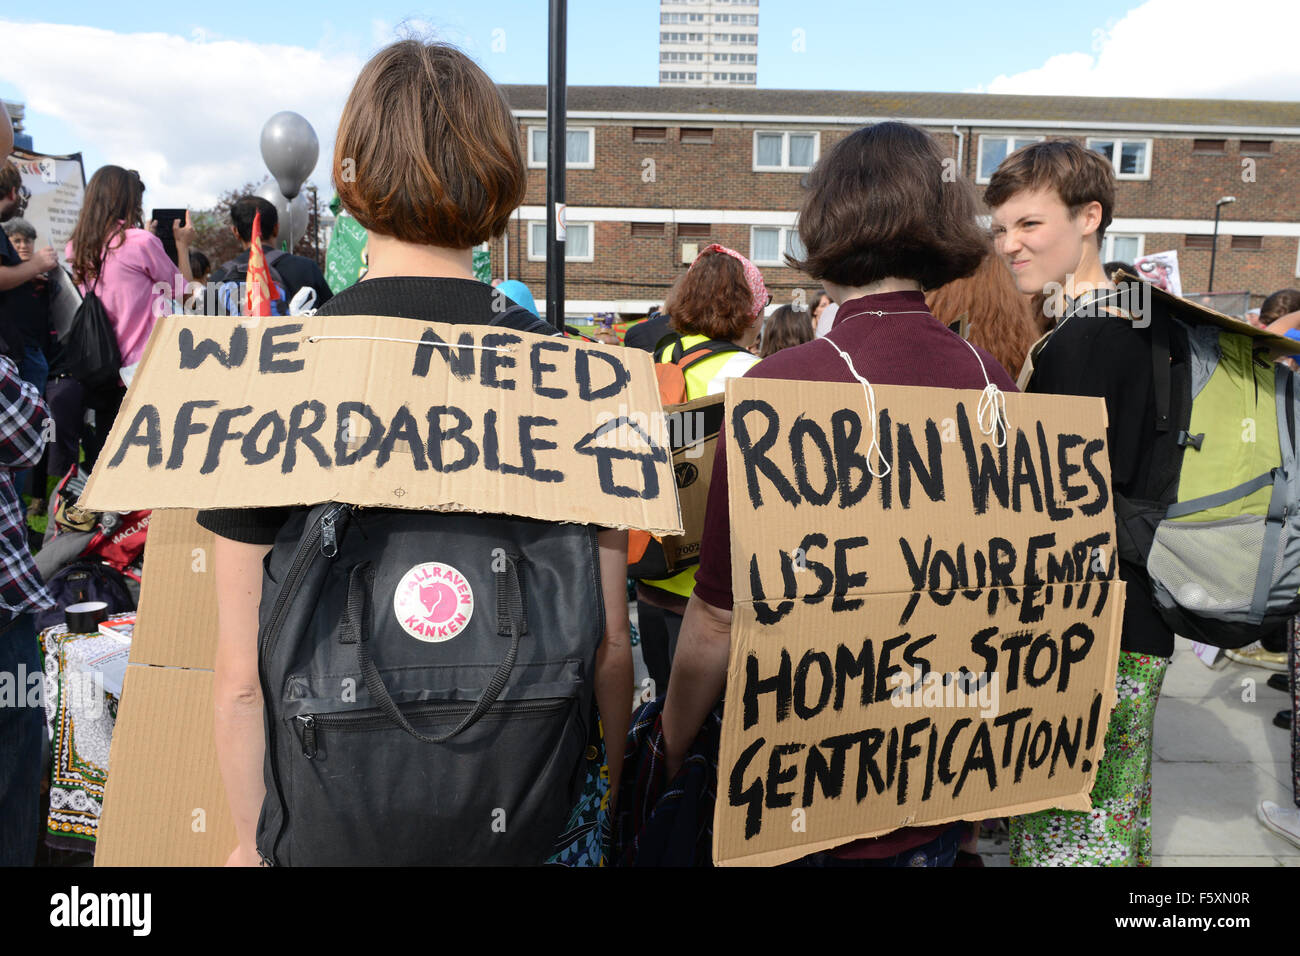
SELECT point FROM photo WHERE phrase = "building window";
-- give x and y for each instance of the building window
(734, 77)
(647, 230)
(649, 134)
(681, 18)
(1248, 243)
(737, 19)
(696, 135)
(1256, 147)
(1121, 247)
(694, 230)
(577, 246)
(778, 151)
(1209, 146)
(740, 39)
(681, 57)
(1130, 158)
(1198, 242)
(769, 244)
(580, 147)
(681, 37)
(679, 76)
(994, 149)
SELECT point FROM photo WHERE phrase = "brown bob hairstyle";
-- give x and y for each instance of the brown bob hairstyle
(427, 150)
(1077, 175)
(712, 298)
(878, 205)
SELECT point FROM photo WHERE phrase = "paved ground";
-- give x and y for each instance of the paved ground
(1217, 756)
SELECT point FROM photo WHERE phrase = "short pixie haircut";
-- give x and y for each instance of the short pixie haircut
(881, 204)
(427, 150)
(1077, 175)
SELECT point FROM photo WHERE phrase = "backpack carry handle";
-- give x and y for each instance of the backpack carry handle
(355, 630)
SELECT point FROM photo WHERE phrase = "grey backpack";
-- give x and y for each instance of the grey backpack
(427, 680)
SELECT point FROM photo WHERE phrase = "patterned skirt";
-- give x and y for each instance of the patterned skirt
(1117, 831)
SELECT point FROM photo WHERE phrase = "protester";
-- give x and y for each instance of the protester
(879, 229)
(1051, 204)
(823, 300)
(716, 305)
(15, 270)
(784, 328)
(995, 312)
(647, 333)
(439, 171)
(22, 717)
(200, 266)
(291, 273)
(126, 267)
(25, 321)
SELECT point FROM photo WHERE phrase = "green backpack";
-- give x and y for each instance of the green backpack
(1224, 558)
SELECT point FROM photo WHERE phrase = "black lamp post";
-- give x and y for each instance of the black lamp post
(556, 157)
(1214, 243)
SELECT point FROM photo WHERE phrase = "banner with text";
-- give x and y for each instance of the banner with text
(924, 634)
(388, 412)
(53, 189)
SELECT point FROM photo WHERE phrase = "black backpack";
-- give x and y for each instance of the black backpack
(235, 273)
(427, 679)
(88, 349)
(83, 581)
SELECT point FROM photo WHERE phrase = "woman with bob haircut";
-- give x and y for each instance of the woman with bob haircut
(880, 227)
(785, 328)
(716, 309)
(428, 160)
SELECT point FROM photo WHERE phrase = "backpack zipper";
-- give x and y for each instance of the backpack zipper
(362, 720)
(266, 642)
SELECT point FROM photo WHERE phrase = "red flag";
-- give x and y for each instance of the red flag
(261, 290)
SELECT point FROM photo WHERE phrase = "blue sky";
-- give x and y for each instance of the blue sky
(180, 91)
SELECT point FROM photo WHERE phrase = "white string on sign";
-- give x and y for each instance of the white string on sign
(871, 412)
(384, 338)
(991, 414)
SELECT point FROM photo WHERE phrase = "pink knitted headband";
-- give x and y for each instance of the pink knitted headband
(757, 288)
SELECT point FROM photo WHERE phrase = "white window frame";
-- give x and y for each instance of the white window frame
(1119, 146)
(785, 166)
(535, 162)
(1108, 245)
(1009, 139)
(783, 239)
(540, 255)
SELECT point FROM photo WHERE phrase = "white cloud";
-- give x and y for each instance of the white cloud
(186, 112)
(1179, 48)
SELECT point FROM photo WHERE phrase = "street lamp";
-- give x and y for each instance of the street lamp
(1214, 244)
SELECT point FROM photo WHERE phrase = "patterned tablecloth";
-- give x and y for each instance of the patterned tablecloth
(83, 682)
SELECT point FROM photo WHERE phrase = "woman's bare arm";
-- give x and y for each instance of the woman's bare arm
(237, 691)
(614, 656)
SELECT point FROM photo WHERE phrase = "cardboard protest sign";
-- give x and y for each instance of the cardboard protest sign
(388, 412)
(935, 644)
(693, 435)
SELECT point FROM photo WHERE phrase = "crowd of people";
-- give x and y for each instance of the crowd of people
(915, 292)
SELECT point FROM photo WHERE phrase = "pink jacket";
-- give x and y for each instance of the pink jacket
(126, 287)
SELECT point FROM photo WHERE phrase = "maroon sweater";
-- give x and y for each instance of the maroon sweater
(887, 349)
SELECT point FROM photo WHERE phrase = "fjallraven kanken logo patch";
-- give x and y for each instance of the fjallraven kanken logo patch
(433, 602)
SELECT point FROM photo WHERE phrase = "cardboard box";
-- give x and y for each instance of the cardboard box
(164, 804)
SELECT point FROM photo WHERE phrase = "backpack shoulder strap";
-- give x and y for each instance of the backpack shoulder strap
(703, 350)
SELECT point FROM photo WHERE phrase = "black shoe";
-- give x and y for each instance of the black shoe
(1283, 719)
(1279, 682)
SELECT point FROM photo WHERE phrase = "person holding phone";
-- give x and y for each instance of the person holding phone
(125, 264)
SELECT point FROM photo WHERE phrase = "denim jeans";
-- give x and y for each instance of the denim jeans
(941, 851)
(22, 722)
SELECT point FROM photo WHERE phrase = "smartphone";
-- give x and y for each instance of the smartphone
(167, 219)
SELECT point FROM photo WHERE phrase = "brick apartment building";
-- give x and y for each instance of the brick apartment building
(655, 173)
